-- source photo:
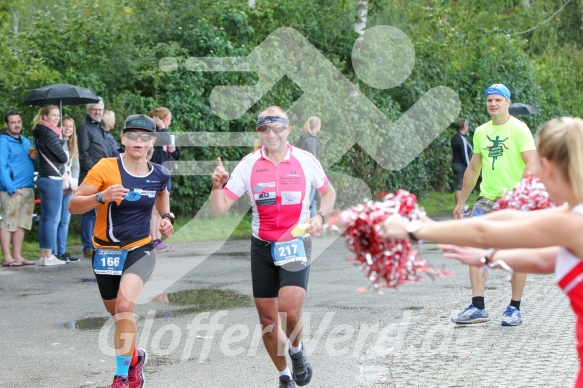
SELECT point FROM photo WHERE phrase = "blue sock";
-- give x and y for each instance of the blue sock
(122, 365)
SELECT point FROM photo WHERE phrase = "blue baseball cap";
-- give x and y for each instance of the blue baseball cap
(498, 89)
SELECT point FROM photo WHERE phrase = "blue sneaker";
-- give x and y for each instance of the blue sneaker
(512, 316)
(471, 314)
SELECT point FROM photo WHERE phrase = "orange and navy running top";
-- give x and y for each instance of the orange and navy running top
(280, 195)
(126, 222)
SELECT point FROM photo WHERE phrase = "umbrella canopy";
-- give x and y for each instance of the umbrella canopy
(60, 94)
(516, 108)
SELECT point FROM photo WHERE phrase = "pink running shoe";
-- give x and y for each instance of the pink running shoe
(136, 372)
(119, 382)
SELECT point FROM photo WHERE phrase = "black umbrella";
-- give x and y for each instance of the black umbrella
(60, 94)
(516, 108)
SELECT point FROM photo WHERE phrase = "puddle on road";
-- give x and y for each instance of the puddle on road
(207, 300)
(88, 280)
(85, 324)
(196, 301)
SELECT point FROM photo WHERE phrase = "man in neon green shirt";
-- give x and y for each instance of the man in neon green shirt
(504, 151)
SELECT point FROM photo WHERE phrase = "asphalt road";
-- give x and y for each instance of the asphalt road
(201, 329)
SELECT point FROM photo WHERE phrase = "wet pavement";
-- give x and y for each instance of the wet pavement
(200, 328)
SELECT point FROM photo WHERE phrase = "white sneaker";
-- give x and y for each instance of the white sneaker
(50, 261)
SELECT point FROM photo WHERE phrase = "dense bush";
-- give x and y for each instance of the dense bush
(114, 48)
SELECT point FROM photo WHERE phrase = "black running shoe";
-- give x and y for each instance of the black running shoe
(302, 368)
(68, 258)
(286, 382)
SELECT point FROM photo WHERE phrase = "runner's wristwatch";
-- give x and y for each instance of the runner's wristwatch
(323, 215)
(170, 217)
(99, 198)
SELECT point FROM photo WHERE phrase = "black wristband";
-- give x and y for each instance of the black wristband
(323, 215)
(170, 217)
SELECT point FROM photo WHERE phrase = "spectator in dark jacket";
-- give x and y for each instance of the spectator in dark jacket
(93, 146)
(461, 152)
(52, 159)
(308, 141)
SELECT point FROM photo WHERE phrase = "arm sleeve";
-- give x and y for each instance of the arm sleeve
(162, 138)
(319, 178)
(525, 139)
(54, 147)
(235, 187)
(75, 168)
(83, 143)
(312, 145)
(5, 178)
(96, 176)
(176, 153)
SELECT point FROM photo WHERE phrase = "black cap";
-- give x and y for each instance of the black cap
(142, 122)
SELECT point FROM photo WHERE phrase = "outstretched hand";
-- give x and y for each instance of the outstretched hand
(467, 255)
(220, 175)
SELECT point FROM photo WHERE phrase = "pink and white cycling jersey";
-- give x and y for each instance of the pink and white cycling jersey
(280, 195)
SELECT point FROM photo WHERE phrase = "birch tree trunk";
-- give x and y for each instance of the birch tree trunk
(361, 16)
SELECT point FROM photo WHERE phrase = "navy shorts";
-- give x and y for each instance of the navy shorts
(268, 278)
(140, 261)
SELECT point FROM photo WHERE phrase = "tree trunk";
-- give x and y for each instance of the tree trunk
(15, 22)
(361, 16)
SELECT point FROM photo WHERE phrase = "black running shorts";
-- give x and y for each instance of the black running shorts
(267, 278)
(140, 261)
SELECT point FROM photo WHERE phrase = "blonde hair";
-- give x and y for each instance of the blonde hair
(561, 141)
(160, 112)
(73, 148)
(311, 125)
(44, 111)
(108, 118)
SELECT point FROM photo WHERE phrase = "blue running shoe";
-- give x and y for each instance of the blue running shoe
(471, 314)
(512, 316)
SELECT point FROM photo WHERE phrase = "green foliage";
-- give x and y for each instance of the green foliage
(114, 48)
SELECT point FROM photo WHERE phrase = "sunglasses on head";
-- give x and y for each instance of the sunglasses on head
(275, 128)
(135, 136)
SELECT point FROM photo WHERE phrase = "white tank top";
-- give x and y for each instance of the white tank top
(569, 268)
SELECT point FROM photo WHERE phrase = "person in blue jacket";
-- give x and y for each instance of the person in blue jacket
(16, 189)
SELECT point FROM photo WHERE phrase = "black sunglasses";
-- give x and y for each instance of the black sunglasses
(275, 128)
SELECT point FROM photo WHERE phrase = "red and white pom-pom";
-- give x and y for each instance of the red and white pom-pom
(528, 194)
(386, 263)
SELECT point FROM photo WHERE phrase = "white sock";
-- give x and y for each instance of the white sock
(293, 350)
(285, 372)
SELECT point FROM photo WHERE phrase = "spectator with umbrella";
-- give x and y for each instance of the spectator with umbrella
(65, 94)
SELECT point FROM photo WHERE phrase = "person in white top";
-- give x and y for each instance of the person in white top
(278, 179)
(542, 241)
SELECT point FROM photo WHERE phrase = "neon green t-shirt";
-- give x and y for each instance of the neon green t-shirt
(500, 147)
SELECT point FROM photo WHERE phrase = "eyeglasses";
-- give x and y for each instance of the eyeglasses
(275, 128)
(135, 136)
